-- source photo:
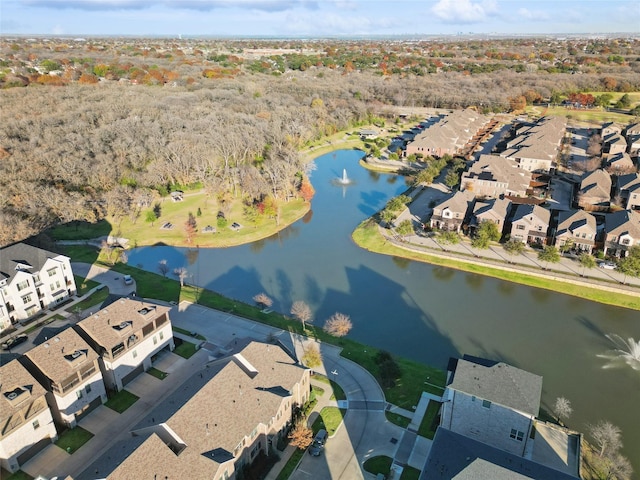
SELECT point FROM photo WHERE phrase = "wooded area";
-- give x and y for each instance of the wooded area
(102, 127)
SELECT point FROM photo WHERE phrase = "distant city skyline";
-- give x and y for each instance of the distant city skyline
(317, 18)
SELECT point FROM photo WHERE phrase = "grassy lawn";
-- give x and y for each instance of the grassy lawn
(330, 419)
(95, 298)
(19, 475)
(187, 332)
(72, 440)
(592, 115)
(317, 391)
(121, 401)
(154, 372)
(410, 473)
(140, 232)
(427, 426)
(380, 464)
(185, 349)
(291, 464)
(83, 285)
(367, 237)
(398, 419)
(337, 392)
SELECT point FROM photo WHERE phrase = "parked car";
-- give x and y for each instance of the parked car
(17, 340)
(316, 447)
(607, 265)
(128, 280)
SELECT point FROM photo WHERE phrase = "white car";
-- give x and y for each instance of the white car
(607, 265)
(127, 279)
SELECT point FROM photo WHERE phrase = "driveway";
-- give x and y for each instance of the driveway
(112, 279)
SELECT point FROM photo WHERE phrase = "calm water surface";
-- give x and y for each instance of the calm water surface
(420, 311)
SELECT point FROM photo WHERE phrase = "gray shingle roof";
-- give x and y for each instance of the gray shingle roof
(21, 253)
(503, 384)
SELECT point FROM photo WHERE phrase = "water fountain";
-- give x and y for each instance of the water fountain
(625, 352)
(344, 180)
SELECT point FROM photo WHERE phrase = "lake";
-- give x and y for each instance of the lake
(420, 311)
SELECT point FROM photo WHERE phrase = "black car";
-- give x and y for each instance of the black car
(12, 342)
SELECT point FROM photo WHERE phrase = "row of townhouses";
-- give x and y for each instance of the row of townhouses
(489, 427)
(32, 280)
(620, 147)
(61, 380)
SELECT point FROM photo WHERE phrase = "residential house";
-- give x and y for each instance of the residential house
(488, 427)
(620, 163)
(27, 424)
(628, 187)
(449, 135)
(609, 128)
(494, 211)
(68, 369)
(622, 232)
(612, 145)
(633, 139)
(31, 280)
(450, 214)
(127, 334)
(595, 190)
(492, 176)
(536, 147)
(219, 421)
(530, 224)
(577, 230)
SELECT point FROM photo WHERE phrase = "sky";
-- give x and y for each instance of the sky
(316, 18)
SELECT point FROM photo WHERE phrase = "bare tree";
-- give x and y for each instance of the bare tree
(263, 299)
(617, 467)
(163, 268)
(301, 311)
(301, 436)
(182, 274)
(607, 437)
(312, 357)
(562, 408)
(338, 325)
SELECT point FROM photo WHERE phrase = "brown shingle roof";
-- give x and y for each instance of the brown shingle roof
(104, 326)
(16, 386)
(54, 358)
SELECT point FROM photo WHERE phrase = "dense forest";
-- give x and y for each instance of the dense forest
(99, 128)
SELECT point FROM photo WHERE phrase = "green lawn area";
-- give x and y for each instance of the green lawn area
(410, 473)
(367, 236)
(428, 426)
(121, 401)
(291, 464)
(185, 349)
(317, 391)
(337, 392)
(19, 475)
(380, 464)
(154, 372)
(83, 285)
(72, 440)
(330, 419)
(399, 420)
(95, 298)
(592, 115)
(186, 332)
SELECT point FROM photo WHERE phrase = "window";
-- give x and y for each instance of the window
(26, 299)
(36, 424)
(161, 335)
(79, 393)
(87, 388)
(520, 227)
(516, 435)
(23, 285)
(135, 354)
(51, 272)
(486, 403)
(155, 340)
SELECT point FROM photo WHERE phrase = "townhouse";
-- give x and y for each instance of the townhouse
(127, 334)
(622, 232)
(493, 210)
(451, 213)
(492, 176)
(536, 146)
(530, 224)
(595, 190)
(576, 230)
(32, 280)
(68, 368)
(628, 188)
(25, 418)
(217, 423)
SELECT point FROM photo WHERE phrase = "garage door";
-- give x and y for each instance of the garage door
(95, 403)
(133, 374)
(33, 450)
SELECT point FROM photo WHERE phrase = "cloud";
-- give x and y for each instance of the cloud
(536, 15)
(464, 11)
(201, 5)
